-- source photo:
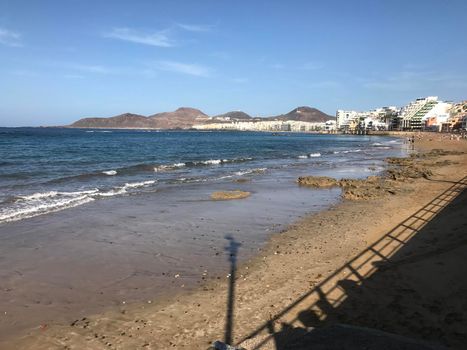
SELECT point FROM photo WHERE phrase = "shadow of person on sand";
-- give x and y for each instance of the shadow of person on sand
(232, 251)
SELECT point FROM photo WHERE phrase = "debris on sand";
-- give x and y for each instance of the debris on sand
(228, 195)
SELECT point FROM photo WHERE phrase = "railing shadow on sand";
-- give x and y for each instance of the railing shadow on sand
(317, 307)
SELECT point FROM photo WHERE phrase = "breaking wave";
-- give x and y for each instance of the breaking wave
(348, 151)
(311, 155)
(26, 206)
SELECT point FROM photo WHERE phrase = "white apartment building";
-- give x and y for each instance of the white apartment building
(412, 114)
(376, 119)
(267, 125)
(344, 118)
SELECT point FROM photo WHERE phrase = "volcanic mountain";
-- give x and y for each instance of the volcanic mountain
(238, 115)
(304, 114)
(183, 118)
(126, 120)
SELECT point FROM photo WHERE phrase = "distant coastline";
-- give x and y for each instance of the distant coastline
(191, 118)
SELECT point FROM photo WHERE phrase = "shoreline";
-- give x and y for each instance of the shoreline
(265, 285)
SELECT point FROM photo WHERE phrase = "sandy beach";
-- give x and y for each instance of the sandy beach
(395, 261)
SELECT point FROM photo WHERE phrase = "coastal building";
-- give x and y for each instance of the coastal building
(383, 118)
(344, 119)
(439, 115)
(409, 111)
(425, 113)
(459, 108)
(268, 125)
(330, 126)
(464, 123)
(457, 117)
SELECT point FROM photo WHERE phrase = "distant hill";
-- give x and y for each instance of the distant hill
(234, 115)
(126, 120)
(185, 118)
(304, 114)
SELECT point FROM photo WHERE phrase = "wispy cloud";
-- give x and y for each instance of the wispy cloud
(325, 84)
(195, 27)
(10, 38)
(183, 68)
(240, 80)
(221, 55)
(90, 68)
(277, 66)
(160, 38)
(73, 76)
(408, 80)
(312, 66)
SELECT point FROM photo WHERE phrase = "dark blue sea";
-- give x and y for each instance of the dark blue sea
(44, 170)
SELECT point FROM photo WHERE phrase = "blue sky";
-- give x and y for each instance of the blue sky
(63, 60)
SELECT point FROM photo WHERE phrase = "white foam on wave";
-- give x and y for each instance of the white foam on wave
(251, 171)
(110, 172)
(221, 177)
(348, 151)
(160, 168)
(39, 195)
(222, 161)
(212, 161)
(168, 167)
(43, 208)
(26, 206)
(95, 190)
(123, 189)
(311, 155)
(175, 166)
(50, 194)
(112, 192)
(139, 184)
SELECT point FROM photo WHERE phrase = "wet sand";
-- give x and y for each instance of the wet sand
(324, 269)
(66, 265)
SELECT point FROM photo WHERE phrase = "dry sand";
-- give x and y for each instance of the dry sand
(395, 261)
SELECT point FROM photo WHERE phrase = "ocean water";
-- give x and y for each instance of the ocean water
(44, 170)
(92, 219)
